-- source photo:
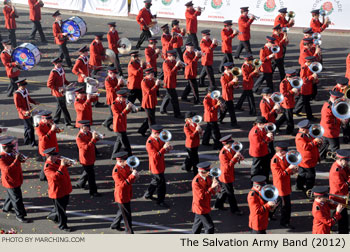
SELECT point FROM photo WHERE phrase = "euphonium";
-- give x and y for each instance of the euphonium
(293, 157)
(291, 14)
(270, 127)
(133, 161)
(275, 49)
(236, 71)
(216, 94)
(215, 172)
(237, 146)
(341, 108)
(316, 35)
(197, 119)
(269, 193)
(316, 130)
(315, 67)
(165, 135)
(277, 97)
(296, 82)
(257, 63)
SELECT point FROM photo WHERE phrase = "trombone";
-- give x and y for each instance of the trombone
(311, 195)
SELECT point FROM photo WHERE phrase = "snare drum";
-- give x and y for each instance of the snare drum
(27, 53)
(70, 95)
(91, 87)
(74, 26)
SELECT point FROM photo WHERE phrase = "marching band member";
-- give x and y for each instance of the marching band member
(179, 34)
(258, 208)
(35, 16)
(97, 53)
(170, 68)
(341, 84)
(307, 146)
(207, 47)
(113, 40)
(281, 172)
(307, 34)
(212, 129)
(86, 142)
(248, 73)
(56, 82)
(10, 21)
(149, 87)
(244, 23)
(81, 67)
(12, 179)
(192, 24)
(315, 23)
(282, 41)
(167, 40)
(61, 38)
(259, 140)
(281, 19)
(228, 158)
(191, 58)
(152, 54)
(144, 18)
(82, 106)
(228, 83)
(120, 110)
(308, 50)
(156, 149)
(22, 101)
(203, 188)
(268, 108)
(193, 132)
(123, 177)
(227, 34)
(321, 211)
(330, 124)
(12, 67)
(58, 179)
(135, 75)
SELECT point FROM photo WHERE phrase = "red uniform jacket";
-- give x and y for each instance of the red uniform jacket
(10, 19)
(207, 49)
(339, 181)
(202, 192)
(258, 142)
(192, 135)
(170, 73)
(289, 96)
(306, 53)
(191, 60)
(329, 122)
(347, 74)
(267, 110)
(22, 102)
(34, 10)
(96, 53)
(113, 38)
(227, 86)
(156, 153)
(211, 107)
(227, 165)
(149, 93)
(11, 70)
(119, 116)
(83, 109)
(281, 175)
(281, 43)
(308, 149)
(11, 171)
(57, 79)
(58, 179)
(168, 42)
(191, 20)
(57, 33)
(323, 221)
(86, 146)
(123, 180)
(317, 26)
(282, 21)
(226, 37)
(81, 66)
(135, 75)
(144, 18)
(179, 39)
(248, 75)
(151, 58)
(244, 23)
(306, 75)
(47, 137)
(259, 211)
(266, 66)
(111, 86)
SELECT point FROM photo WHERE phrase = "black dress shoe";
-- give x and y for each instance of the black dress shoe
(287, 225)
(148, 197)
(9, 211)
(106, 126)
(221, 208)
(235, 126)
(179, 116)
(66, 229)
(95, 195)
(118, 228)
(22, 219)
(206, 144)
(185, 100)
(163, 204)
(164, 112)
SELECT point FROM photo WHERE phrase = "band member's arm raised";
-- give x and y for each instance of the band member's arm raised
(84, 144)
(255, 206)
(305, 145)
(325, 219)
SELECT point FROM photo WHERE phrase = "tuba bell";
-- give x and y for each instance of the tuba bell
(165, 136)
(296, 82)
(133, 161)
(293, 157)
(316, 130)
(277, 97)
(341, 109)
(257, 63)
(197, 119)
(291, 14)
(275, 49)
(315, 67)
(216, 94)
(270, 127)
(269, 193)
(215, 172)
(237, 146)
(236, 71)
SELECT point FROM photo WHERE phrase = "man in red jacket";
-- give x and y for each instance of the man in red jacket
(282, 41)
(58, 179)
(168, 40)
(207, 47)
(308, 49)
(22, 102)
(81, 67)
(244, 23)
(192, 24)
(10, 21)
(82, 106)
(135, 76)
(35, 16)
(156, 149)
(113, 44)
(152, 54)
(269, 109)
(86, 142)
(307, 146)
(179, 34)
(193, 132)
(123, 177)
(12, 179)
(11, 67)
(203, 188)
(227, 34)
(61, 38)
(97, 53)
(144, 19)
(281, 19)
(315, 23)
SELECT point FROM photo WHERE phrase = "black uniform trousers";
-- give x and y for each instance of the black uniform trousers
(42, 175)
(343, 223)
(135, 94)
(64, 53)
(227, 192)
(261, 166)
(258, 231)
(145, 35)
(62, 107)
(207, 70)
(14, 200)
(192, 37)
(157, 184)
(58, 213)
(279, 63)
(201, 220)
(304, 102)
(191, 85)
(286, 209)
(191, 160)
(250, 97)
(246, 45)
(287, 116)
(179, 53)
(306, 178)
(12, 87)
(263, 77)
(227, 58)
(231, 110)
(314, 91)
(119, 67)
(171, 96)
(212, 130)
(122, 140)
(346, 133)
(150, 120)
(333, 143)
(124, 212)
(37, 27)
(12, 37)
(29, 137)
(109, 121)
(88, 175)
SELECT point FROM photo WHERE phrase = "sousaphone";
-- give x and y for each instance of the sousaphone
(124, 46)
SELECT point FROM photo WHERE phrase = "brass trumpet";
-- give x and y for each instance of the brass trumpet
(22, 157)
(200, 9)
(311, 195)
